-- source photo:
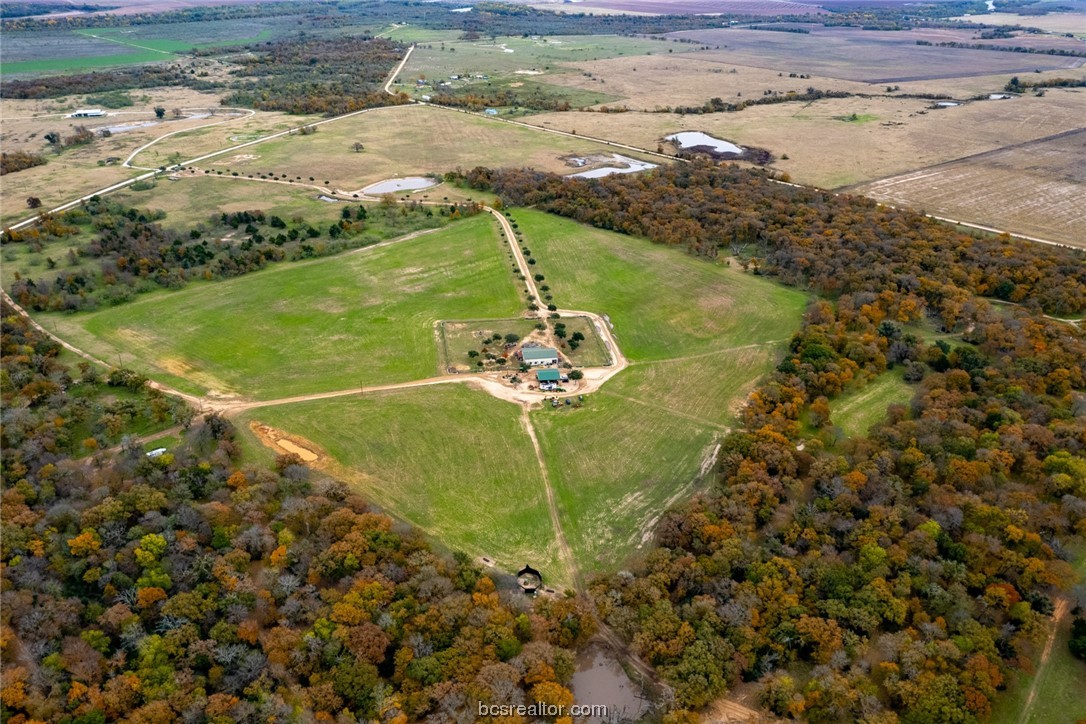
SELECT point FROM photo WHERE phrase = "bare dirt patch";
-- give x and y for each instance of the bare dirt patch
(281, 442)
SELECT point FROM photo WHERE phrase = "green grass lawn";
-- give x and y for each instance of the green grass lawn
(358, 318)
(856, 411)
(663, 303)
(454, 461)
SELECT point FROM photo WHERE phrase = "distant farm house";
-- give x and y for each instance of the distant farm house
(88, 113)
(539, 356)
(491, 111)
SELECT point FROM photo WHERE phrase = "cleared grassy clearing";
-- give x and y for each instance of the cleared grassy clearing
(855, 412)
(661, 302)
(335, 323)
(409, 141)
(615, 466)
(451, 460)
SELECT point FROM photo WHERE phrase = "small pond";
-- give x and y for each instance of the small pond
(600, 679)
(392, 185)
(630, 165)
(693, 139)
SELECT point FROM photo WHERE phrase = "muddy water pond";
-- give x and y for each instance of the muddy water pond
(630, 165)
(694, 139)
(600, 680)
(392, 185)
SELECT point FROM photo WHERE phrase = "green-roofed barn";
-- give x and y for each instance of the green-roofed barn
(539, 356)
(548, 375)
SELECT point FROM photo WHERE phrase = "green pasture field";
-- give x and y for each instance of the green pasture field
(856, 411)
(360, 318)
(663, 303)
(453, 461)
(615, 467)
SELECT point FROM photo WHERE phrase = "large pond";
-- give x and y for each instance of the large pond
(693, 139)
(407, 183)
(630, 165)
(600, 679)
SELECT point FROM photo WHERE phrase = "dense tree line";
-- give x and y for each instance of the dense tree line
(12, 161)
(1006, 48)
(185, 588)
(1019, 85)
(135, 253)
(833, 243)
(903, 576)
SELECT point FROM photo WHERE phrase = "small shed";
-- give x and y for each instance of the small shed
(548, 375)
(529, 579)
(539, 356)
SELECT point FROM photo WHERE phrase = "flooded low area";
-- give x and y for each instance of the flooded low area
(629, 165)
(392, 185)
(697, 139)
(601, 681)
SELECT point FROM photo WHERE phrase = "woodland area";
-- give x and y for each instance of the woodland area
(136, 254)
(185, 588)
(904, 576)
(13, 161)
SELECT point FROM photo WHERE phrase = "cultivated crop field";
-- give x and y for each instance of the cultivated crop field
(1034, 188)
(365, 317)
(453, 461)
(861, 55)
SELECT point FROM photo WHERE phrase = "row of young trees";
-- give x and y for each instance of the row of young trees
(187, 588)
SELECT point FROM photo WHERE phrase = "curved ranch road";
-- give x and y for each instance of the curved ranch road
(236, 116)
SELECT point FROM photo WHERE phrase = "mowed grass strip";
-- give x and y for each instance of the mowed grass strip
(663, 303)
(453, 461)
(856, 411)
(361, 318)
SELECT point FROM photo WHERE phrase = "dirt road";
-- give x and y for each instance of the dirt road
(1058, 614)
